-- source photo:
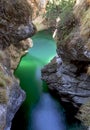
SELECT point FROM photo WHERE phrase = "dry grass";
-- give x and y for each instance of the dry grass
(13, 14)
(2, 83)
(84, 115)
(85, 24)
(2, 56)
(15, 11)
(80, 8)
(5, 81)
(3, 96)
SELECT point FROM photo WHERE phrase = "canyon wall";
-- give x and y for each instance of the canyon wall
(15, 29)
(68, 74)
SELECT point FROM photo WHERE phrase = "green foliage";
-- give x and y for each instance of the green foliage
(59, 14)
(59, 8)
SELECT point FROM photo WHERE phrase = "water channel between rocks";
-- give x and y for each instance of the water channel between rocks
(40, 111)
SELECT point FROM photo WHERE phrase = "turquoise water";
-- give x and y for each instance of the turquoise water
(39, 111)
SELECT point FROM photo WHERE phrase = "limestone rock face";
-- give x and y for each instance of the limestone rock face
(38, 7)
(15, 29)
(75, 46)
(69, 74)
(38, 13)
(62, 78)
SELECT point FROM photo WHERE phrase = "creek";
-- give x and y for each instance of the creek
(40, 111)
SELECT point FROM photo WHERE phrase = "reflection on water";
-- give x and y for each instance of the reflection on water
(47, 115)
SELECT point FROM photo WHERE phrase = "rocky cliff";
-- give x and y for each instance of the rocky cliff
(68, 74)
(15, 28)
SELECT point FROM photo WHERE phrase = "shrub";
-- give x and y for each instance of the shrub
(85, 24)
(84, 114)
(3, 96)
(59, 9)
(2, 83)
(5, 79)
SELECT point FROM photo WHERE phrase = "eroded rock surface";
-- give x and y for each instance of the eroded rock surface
(15, 28)
(38, 6)
(64, 79)
(68, 74)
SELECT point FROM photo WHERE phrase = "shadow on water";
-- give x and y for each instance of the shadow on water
(39, 111)
(47, 115)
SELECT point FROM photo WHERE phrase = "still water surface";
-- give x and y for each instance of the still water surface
(40, 111)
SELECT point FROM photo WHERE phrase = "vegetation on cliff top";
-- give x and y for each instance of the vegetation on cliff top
(59, 9)
(59, 14)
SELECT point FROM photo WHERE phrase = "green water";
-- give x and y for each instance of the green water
(43, 50)
(37, 97)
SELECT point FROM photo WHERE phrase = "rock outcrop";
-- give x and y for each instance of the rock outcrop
(38, 13)
(68, 74)
(38, 7)
(15, 28)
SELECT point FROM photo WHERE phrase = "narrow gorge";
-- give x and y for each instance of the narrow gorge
(51, 66)
(40, 111)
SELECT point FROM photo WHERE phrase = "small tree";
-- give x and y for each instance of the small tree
(58, 9)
